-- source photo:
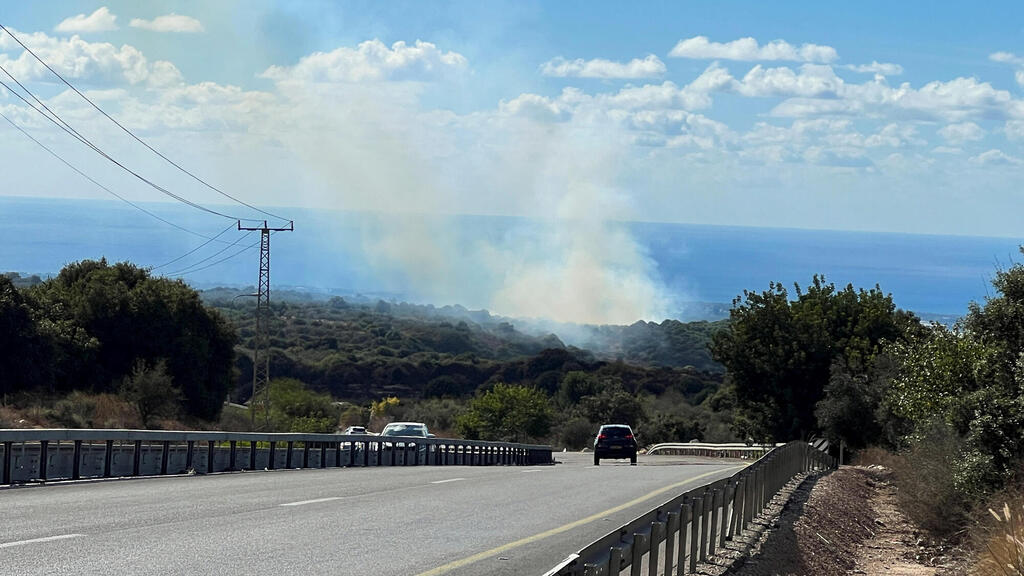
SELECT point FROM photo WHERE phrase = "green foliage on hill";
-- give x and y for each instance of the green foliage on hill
(361, 353)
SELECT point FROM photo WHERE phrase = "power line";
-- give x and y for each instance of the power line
(196, 249)
(102, 187)
(73, 133)
(136, 138)
(192, 267)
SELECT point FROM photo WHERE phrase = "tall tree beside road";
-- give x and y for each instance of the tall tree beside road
(105, 318)
(779, 353)
(22, 349)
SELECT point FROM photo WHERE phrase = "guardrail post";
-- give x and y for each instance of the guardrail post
(305, 454)
(737, 506)
(42, 459)
(657, 535)
(288, 454)
(189, 453)
(233, 455)
(108, 456)
(716, 500)
(7, 463)
(337, 454)
(273, 455)
(671, 530)
(209, 456)
(615, 561)
(700, 507)
(692, 510)
(323, 455)
(165, 455)
(641, 542)
(252, 455)
(728, 495)
(137, 458)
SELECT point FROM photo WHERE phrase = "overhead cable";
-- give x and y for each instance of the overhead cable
(196, 249)
(60, 124)
(104, 188)
(192, 267)
(136, 138)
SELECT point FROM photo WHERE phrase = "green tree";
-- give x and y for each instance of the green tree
(778, 353)
(296, 408)
(574, 387)
(613, 405)
(507, 412)
(670, 428)
(151, 390)
(104, 318)
(22, 349)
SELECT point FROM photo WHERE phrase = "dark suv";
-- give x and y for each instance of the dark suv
(615, 441)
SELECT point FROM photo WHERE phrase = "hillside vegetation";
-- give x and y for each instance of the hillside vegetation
(127, 349)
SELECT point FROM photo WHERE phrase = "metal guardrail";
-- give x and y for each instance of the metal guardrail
(674, 537)
(736, 450)
(35, 455)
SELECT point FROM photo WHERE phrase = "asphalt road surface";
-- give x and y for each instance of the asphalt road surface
(415, 521)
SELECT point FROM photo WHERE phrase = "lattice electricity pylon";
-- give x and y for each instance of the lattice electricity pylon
(261, 347)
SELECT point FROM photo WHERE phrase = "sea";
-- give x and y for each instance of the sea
(335, 252)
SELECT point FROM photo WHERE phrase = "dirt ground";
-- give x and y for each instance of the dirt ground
(847, 522)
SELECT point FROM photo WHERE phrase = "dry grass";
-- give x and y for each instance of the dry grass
(1001, 552)
(876, 456)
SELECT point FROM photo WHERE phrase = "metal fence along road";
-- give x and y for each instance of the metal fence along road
(735, 450)
(33, 455)
(673, 538)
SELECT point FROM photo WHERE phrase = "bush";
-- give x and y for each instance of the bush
(576, 433)
(81, 410)
(930, 474)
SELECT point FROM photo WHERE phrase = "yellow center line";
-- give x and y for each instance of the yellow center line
(537, 537)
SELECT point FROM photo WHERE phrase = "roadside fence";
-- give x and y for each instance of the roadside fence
(35, 455)
(673, 538)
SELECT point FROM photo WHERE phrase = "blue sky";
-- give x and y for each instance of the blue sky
(896, 116)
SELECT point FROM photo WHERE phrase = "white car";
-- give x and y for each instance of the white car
(407, 429)
(355, 430)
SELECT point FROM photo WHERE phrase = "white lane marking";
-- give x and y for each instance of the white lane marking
(317, 501)
(35, 540)
(528, 471)
(445, 481)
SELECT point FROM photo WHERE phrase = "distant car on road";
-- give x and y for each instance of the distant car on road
(615, 441)
(399, 430)
(355, 430)
(408, 429)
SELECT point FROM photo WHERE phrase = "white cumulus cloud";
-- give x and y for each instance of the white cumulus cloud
(957, 134)
(1007, 58)
(995, 157)
(95, 63)
(649, 67)
(1013, 60)
(700, 47)
(371, 61)
(169, 23)
(813, 80)
(102, 20)
(882, 68)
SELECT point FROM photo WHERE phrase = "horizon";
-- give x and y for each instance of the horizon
(698, 264)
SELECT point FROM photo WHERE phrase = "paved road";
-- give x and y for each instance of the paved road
(424, 521)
